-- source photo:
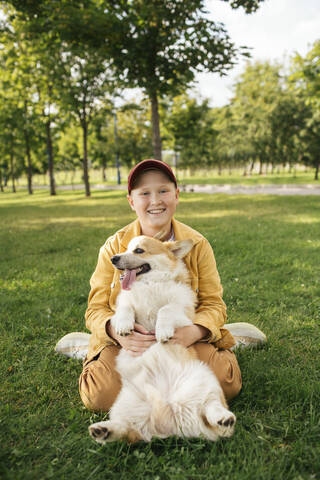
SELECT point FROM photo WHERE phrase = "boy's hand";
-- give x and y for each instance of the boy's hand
(136, 343)
(189, 335)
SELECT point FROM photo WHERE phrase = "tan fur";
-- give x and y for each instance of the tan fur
(182, 278)
(167, 390)
(181, 354)
(132, 436)
(160, 235)
(190, 313)
(223, 400)
(153, 246)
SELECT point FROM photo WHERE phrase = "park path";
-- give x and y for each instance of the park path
(286, 189)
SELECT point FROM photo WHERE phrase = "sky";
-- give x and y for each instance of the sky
(276, 31)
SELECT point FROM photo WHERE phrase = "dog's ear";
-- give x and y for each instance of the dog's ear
(180, 248)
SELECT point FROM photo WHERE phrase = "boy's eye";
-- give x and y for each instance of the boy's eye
(138, 250)
(144, 193)
(163, 190)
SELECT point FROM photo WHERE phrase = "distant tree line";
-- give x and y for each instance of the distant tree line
(62, 64)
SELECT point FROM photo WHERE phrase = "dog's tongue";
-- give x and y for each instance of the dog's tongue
(128, 278)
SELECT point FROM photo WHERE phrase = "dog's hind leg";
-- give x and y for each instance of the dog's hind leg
(217, 420)
(109, 431)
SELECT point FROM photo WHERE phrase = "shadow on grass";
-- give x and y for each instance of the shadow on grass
(265, 250)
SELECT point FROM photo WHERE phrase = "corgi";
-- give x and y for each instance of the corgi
(167, 390)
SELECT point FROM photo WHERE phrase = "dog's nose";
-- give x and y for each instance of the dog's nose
(115, 259)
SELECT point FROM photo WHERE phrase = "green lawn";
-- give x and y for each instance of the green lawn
(267, 251)
(200, 176)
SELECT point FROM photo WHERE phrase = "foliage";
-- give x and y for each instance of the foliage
(58, 75)
(189, 127)
(157, 45)
(306, 80)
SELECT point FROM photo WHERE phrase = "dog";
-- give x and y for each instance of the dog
(167, 390)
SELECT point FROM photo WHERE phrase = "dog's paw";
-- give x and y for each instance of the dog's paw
(100, 432)
(226, 424)
(122, 325)
(221, 420)
(164, 333)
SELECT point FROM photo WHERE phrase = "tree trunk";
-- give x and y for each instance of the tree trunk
(251, 167)
(104, 176)
(29, 165)
(219, 169)
(50, 158)
(27, 140)
(316, 173)
(156, 138)
(115, 132)
(176, 162)
(244, 173)
(1, 182)
(294, 170)
(12, 171)
(260, 167)
(85, 157)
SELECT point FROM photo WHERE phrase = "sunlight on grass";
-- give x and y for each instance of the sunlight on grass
(214, 214)
(24, 284)
(35, 223)
(304, 219)
(266, 252)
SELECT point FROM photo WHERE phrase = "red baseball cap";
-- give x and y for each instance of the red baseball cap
(148, 164)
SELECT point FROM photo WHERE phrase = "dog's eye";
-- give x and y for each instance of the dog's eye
(138, 250)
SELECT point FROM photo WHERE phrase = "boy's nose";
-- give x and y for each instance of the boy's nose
(115, 259)
(155, 199)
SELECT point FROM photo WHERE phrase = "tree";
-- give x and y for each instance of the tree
(305, 78)
(18, 103)
(256, 96)
(83, 82)
(189, 126)
(157, 45)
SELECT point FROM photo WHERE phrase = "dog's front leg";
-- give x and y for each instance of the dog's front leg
(169, 318)
(123, 320)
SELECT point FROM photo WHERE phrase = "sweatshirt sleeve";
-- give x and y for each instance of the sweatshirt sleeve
(211, 309)
(99, 311)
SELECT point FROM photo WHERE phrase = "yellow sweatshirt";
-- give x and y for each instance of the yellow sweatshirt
(204, 279)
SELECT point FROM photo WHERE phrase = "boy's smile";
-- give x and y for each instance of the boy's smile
(154, 199)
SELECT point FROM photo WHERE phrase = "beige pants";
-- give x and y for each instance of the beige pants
(100, 383)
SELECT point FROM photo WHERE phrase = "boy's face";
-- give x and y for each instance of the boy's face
(154, 199)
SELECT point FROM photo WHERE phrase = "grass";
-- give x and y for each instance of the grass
(267, 250)
(185, 177)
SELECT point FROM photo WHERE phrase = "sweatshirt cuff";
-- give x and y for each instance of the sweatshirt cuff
(214, 332)
(111, 339)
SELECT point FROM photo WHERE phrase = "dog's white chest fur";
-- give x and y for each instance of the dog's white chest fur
(167, 390)
(149, 302)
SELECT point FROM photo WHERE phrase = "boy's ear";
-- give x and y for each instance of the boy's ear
(180, 248)
(129, 198)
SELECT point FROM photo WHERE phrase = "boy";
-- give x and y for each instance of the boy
(153, 194)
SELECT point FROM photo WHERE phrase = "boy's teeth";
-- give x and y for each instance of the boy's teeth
(156, 211)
